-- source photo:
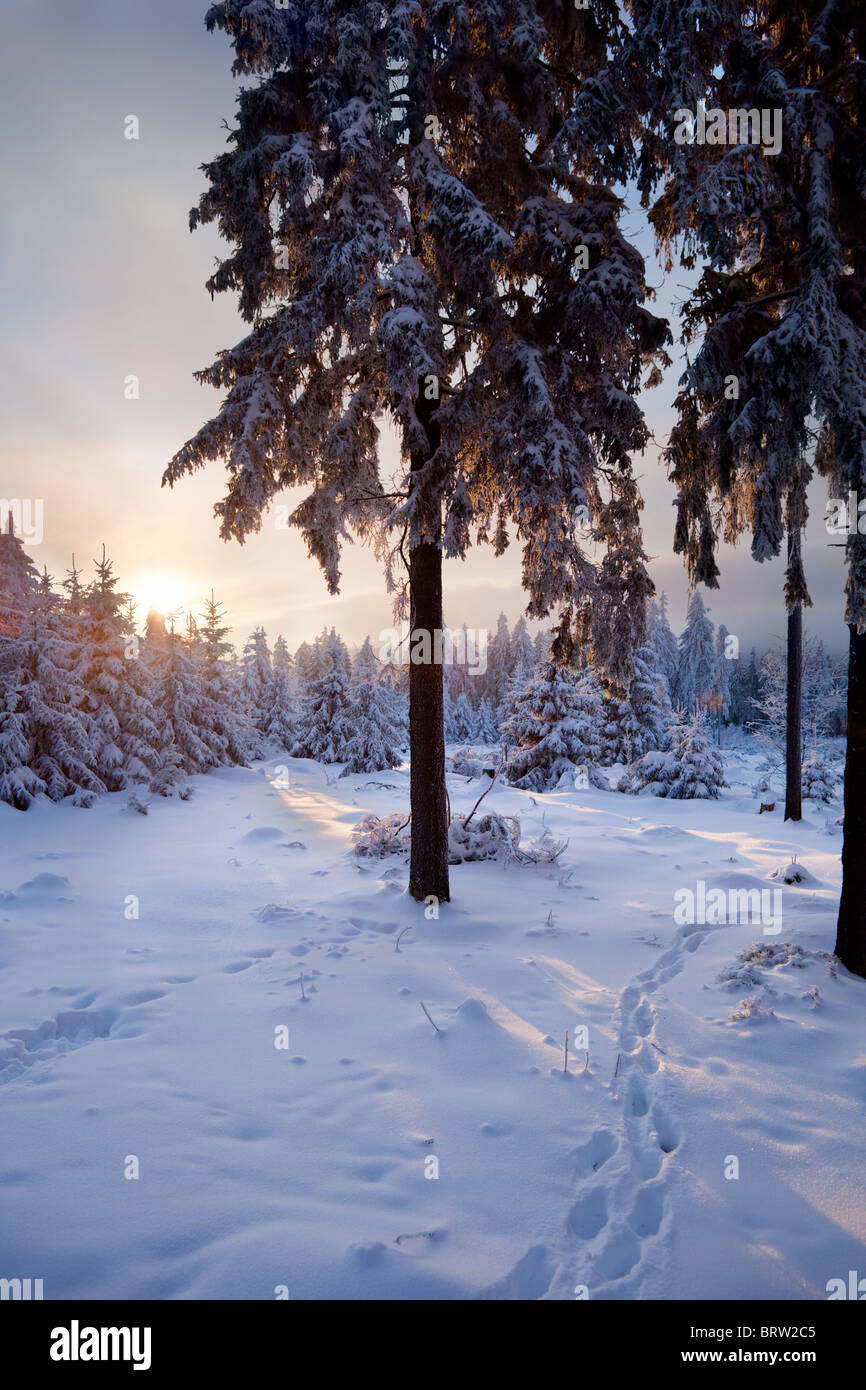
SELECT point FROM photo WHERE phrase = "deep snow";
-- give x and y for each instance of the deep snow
(154, 1037)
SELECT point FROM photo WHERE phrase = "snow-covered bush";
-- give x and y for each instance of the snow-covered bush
(466, 762)
(691, 769)
(376, 836)
(488, 836)
(819, 779)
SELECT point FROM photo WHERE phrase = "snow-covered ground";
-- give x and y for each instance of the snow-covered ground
(153, 1037)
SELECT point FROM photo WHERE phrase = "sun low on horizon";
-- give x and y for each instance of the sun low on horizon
(164, 591)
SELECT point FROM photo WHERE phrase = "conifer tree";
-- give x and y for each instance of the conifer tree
(555, 726)
(416, 235)
(118, 689)
(19, 579)
(486, 726)
(465, 724)
(365, 666)
(374, 741)
(257, 679)
(779, 306)
(696, 673)
(219, 688)
(325, 725)
(191, 742)
(690, 769)
(45, 735)
(280, 724)
(663, 643)
(522, 655)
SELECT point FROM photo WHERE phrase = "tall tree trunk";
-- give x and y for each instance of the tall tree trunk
(428, 869)
(851, 930)
(794, 730)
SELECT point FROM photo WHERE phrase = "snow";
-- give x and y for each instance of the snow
(153, 1035)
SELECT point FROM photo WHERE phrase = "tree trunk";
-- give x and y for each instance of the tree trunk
(428, 869)
(794, 732)
(851, 930)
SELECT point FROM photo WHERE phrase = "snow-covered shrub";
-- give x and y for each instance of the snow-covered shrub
(691, 769)
(377, 836)
(819, 779)
(466, 762)
(751, 1011)
(795, 873)
(487, 836)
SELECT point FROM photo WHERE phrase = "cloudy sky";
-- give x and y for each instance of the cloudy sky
(101, 279)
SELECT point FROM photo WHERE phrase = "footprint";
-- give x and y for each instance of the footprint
(529, 1280)
(143, 996)
(618, 1258)
(648, 1210)
(236, 966)
(666, 1132)
(592, 1156)
(644, 1019)
(588, 1216)
(639, 1103)
(372, 1172)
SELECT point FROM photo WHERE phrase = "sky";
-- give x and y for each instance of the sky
(101, 280)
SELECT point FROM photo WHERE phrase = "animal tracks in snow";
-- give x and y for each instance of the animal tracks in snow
(619, 1221)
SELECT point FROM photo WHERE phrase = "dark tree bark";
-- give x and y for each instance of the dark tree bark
(794, 711)
(851, 929)
(428, 796)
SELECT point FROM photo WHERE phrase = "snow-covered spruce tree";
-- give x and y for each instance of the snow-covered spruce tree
(118, 688)
(555, 727)
(258, 675)
(663, 644)
(365, 665)
(375, 739)
(746, 690)
(783, 224)
(696, 672)
(45, 736)
(19, 578)
(500, 663)
(522, 662)
(191, 742)
(281, 719)
(416, 235)
(219, 688)
(690, 769)
(486, 725)
(640, 721)
(325, 724)
(304, 660)
(464, 722)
